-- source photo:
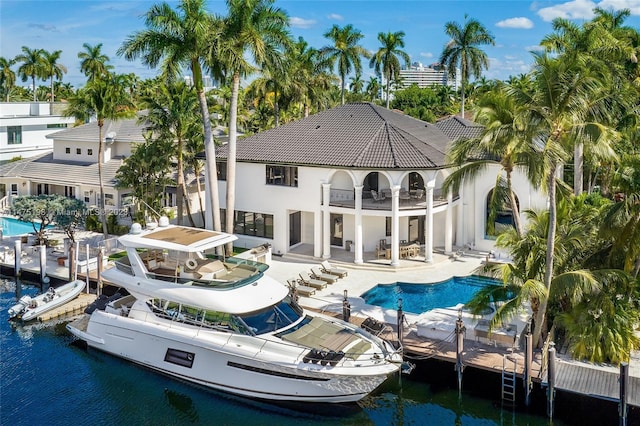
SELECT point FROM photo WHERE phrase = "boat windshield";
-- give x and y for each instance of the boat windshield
(274, 317)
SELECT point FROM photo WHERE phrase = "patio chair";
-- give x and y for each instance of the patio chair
(377, 196)
(418, 194)
(319, 275)
(329, 269)
(309, 281)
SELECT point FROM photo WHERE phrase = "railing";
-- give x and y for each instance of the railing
(409, 200)
(5, 203)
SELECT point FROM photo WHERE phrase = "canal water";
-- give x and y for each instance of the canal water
(46, 377)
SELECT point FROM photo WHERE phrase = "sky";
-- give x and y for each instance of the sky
(518, 26)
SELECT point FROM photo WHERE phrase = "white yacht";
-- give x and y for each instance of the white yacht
(224, 324)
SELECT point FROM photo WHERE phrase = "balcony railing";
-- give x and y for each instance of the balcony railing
(410, 200)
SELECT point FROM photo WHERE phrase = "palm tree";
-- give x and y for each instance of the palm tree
(33, 66)
(386, 60)
(172, 110)
(345, 51)
(93, 63)
(564, 95)
(182, 38)
(257, 29)
(503, 142)
(373, 88)
(7, 76)
(53, 68)
(356, 84)
(104, 98)
(462, 50)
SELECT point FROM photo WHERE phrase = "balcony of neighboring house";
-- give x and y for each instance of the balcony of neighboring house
(414, 199)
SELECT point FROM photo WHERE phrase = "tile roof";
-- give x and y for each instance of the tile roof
(456, 127)
(45, 168)
(357, 135)
(125, 130)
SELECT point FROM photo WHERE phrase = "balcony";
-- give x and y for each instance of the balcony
(409, 200)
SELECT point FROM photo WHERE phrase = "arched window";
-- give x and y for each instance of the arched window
(500, 218)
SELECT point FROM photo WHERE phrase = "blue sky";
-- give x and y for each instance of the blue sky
(517, 25)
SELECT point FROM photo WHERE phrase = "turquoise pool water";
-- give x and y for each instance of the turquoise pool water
(12, 227)
(419, 298)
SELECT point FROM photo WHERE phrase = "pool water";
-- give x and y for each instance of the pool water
(12, 227)
(419, 298)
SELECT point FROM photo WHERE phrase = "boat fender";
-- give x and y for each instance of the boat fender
(191, 264)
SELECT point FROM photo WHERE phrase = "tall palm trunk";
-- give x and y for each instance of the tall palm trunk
(515, 211)
(33, 82)
(209, 149)
(180, 192)
(388, 86)
(342, 89)
(52, 95)
(578, 168)
(548, 273)
(231, 158)
(102, 211)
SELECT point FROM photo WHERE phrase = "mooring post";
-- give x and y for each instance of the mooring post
(100, 266)
(43, 262)
(460, 330)
(551, 379)
(624, 383)
(72, 261)
(346, 308)
(400, 319)
(17, 253)
(86, 263)
(528, 359)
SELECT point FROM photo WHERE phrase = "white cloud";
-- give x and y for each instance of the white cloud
(301, 23)
(426, 54)
(632, 5)
(534, 48)
(523, 23)
(335, 17)
(576, 9)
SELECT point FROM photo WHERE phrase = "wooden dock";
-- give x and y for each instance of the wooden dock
(72, 307)
(596, 382)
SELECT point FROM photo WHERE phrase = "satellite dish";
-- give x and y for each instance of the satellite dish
(111, 137)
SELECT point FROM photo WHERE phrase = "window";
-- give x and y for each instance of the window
(78, 151)
(387, 227)
(67, 150)
(108, 200)
(89, 151)
(221, 168)
(282, 175)
(87, 197)
(57, 126)
(249, 223)
(14, 135)
(169, 199)
(14, 189)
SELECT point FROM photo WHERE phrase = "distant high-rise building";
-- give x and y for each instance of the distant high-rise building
(426, 76)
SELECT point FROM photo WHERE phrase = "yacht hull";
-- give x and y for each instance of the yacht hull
(236, 364)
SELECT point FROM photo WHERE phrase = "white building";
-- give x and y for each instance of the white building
(24, 127)
(427, 76)
(319, 182)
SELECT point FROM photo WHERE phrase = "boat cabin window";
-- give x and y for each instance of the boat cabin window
(274, 317)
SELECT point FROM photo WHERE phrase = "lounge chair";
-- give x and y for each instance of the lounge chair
(327, 268)
(377, 196)
(309, 281)
(302, 290)
(319, 275)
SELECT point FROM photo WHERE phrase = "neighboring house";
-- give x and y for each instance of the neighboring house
(71, 169)
(356, 176)
(24, 127)
(427, 76)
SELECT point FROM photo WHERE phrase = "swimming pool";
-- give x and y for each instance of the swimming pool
(419, 298)
(12, 227)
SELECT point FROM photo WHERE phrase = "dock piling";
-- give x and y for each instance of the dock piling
(400, 319)
(346, 308)
(551, 371)
(624, 383)
(42, 251)
(72, 262)
(460, 329)
(528, 358)
(17, 256)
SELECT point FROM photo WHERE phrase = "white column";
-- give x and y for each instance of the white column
(395, 225)
(317, 233)
(428, 248)
(358, 243)
(448, 226)
(460, 215)
(326, 222)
